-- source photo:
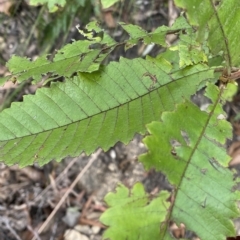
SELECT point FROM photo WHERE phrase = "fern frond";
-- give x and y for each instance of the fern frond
(188, 147)
(94, 110)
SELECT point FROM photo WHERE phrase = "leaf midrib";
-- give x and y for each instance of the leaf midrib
(104, 111)
(210, 114)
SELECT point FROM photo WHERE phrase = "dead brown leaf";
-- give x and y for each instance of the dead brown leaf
(178, 231)
(110, 21)
(5, 6)
(234, 152)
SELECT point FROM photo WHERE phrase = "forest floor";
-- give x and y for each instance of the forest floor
(29, 195)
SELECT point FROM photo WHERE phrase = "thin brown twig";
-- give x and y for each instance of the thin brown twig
(85, 221)
(33, 232)
(86, 206)
(60, 177)
(8, 226)
(47, 221)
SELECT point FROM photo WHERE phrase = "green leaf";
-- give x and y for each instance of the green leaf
(108, 3)
(84, 55)
(74, 57)
(188, 146)
(220, 19)
(52, 4)
(133, 214)
(231, 91)
(51, 26)
(157, 36)
(190, 51)
(94, 110)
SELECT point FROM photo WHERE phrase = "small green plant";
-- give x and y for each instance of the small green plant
(97, 105)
